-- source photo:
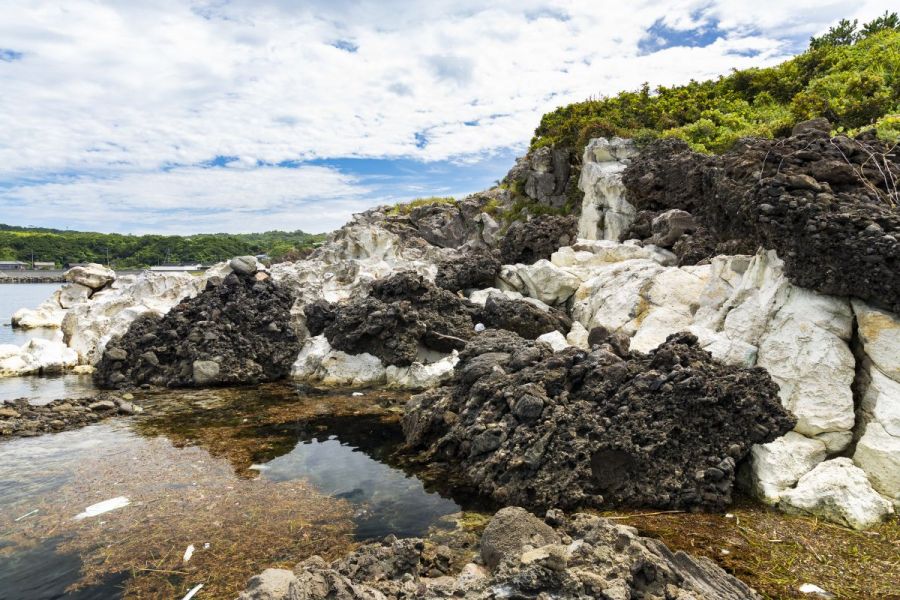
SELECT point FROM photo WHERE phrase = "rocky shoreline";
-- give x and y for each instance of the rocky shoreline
(20, 418)
(699, 323)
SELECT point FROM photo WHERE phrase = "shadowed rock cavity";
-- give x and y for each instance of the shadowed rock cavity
(601, 428)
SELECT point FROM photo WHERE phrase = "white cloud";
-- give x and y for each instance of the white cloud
(116, 91)
(191, 199)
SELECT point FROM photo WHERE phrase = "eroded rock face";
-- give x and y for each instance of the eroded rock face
(582, 557)
(527, 242)
(472, 269)
(526, 426)
(816, 200)
(523, 318)
(92, 276)
(605, 212)
(403, 314)
(234, 333)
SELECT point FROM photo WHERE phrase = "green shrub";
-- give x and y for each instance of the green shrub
(850, 75)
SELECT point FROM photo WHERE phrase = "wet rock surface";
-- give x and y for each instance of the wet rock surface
(529, 241)
(575, 429)
(20, 418)
(828, 206)
(580, 557)
(402, 314)
(237, 332)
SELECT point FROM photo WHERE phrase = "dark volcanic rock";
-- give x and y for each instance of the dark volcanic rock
(21, 418)
(665, 429)
(234, 333)
(523, 318)
(581, 558)
(403, 313)
(828, 206)
(529, 241)
(473, 269)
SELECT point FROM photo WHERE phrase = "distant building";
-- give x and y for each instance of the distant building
(12, 265)
(180, 268)
(46, 266)
(263, 257)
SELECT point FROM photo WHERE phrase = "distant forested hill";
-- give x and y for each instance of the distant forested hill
(130, 251)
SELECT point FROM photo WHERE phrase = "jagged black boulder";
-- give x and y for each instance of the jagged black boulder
(402, 314)
(522, 317)
(233, 333)
(474, 268)
(573, 429)
(828, 206)
(529, 241)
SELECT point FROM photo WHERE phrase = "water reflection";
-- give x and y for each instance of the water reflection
(266, 475)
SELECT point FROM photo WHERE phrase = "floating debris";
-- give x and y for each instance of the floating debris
(188, 553)
(811, 588)
(26, 515)
(193, 591)
(103, 507)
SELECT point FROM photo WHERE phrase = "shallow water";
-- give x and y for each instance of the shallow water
(39, 390)
(14, 296)
(264, 475)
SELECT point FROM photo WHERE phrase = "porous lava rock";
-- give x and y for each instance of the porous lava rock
(527, 242)
(576, 428)
(472, 269)
(237, 332)
(828, 206)
(522, 317)
(578, 558)
(401, 315)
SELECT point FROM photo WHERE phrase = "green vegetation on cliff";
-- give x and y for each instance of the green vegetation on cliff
(134, 251)
(850, 75)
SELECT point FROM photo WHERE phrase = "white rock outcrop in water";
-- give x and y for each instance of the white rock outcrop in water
(36, 357)
(605, 213)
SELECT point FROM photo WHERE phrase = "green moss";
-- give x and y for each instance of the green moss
(407, 207)
(853, 79)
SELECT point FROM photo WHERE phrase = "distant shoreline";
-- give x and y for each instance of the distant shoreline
(47, 275)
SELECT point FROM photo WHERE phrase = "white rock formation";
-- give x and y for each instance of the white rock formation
(777, 466)
(878, 454)
(356, 255)
(838, 491)
(555, 340)
(605, 214)
(36, 357)
(92, 276)
(879, 332)
(419, 376)
(88, 326)
(578, 336)
(542, 280)
(319, 363)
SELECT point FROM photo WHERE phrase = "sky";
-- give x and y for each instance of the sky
(177, 116)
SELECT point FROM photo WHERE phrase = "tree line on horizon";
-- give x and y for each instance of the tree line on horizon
(138, 251)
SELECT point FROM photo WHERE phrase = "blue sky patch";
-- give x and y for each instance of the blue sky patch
(7, 55)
